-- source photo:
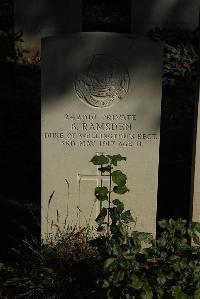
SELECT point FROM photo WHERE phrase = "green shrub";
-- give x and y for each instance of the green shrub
(180, 61)
(8, 51)
(166, 267)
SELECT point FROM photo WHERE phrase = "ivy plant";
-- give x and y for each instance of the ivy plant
(122, 249)
(134, 264)
(113, 217)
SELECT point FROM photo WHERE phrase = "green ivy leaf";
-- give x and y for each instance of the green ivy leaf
(159, 292)
(139, 237)
(116, 158)
(113, 215)
(109, 263)
(120, 189)
(119, 204)
(197, 294)
(120, 276)
(101, 217)
(127, 217)
(194, 232)
(192, 227)
(119, 178)
(197, 226)
(124, 263)
(107, 168)
(177, 293)
(163, 223)
(101, 193)
(137, 282)
(122, 230)
(105, 284)
(196, 239)
(146, 295)
(147, 290)
(99, 160)
(116, 202)
(116, 249)
(161, 279)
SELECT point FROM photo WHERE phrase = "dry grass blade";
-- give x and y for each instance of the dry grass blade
(50, 198)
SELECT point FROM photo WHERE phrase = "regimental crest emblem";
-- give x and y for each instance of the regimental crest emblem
(104, 83)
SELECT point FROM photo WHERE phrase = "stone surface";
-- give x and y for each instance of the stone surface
(196, 187)
(101, 93)
(147, 15)
(40, 18)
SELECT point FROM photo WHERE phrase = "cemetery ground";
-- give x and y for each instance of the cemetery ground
(74, 267)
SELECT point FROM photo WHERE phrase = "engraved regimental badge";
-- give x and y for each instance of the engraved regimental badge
(104, 83)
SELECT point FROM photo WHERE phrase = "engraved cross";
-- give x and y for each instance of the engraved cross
(99, 178)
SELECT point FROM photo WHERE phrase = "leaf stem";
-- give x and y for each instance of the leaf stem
(109, 199)
(101, 186)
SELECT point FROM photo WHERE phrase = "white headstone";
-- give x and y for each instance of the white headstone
(101, 93)
(173, 14)
(196, 186)
(40, 18)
